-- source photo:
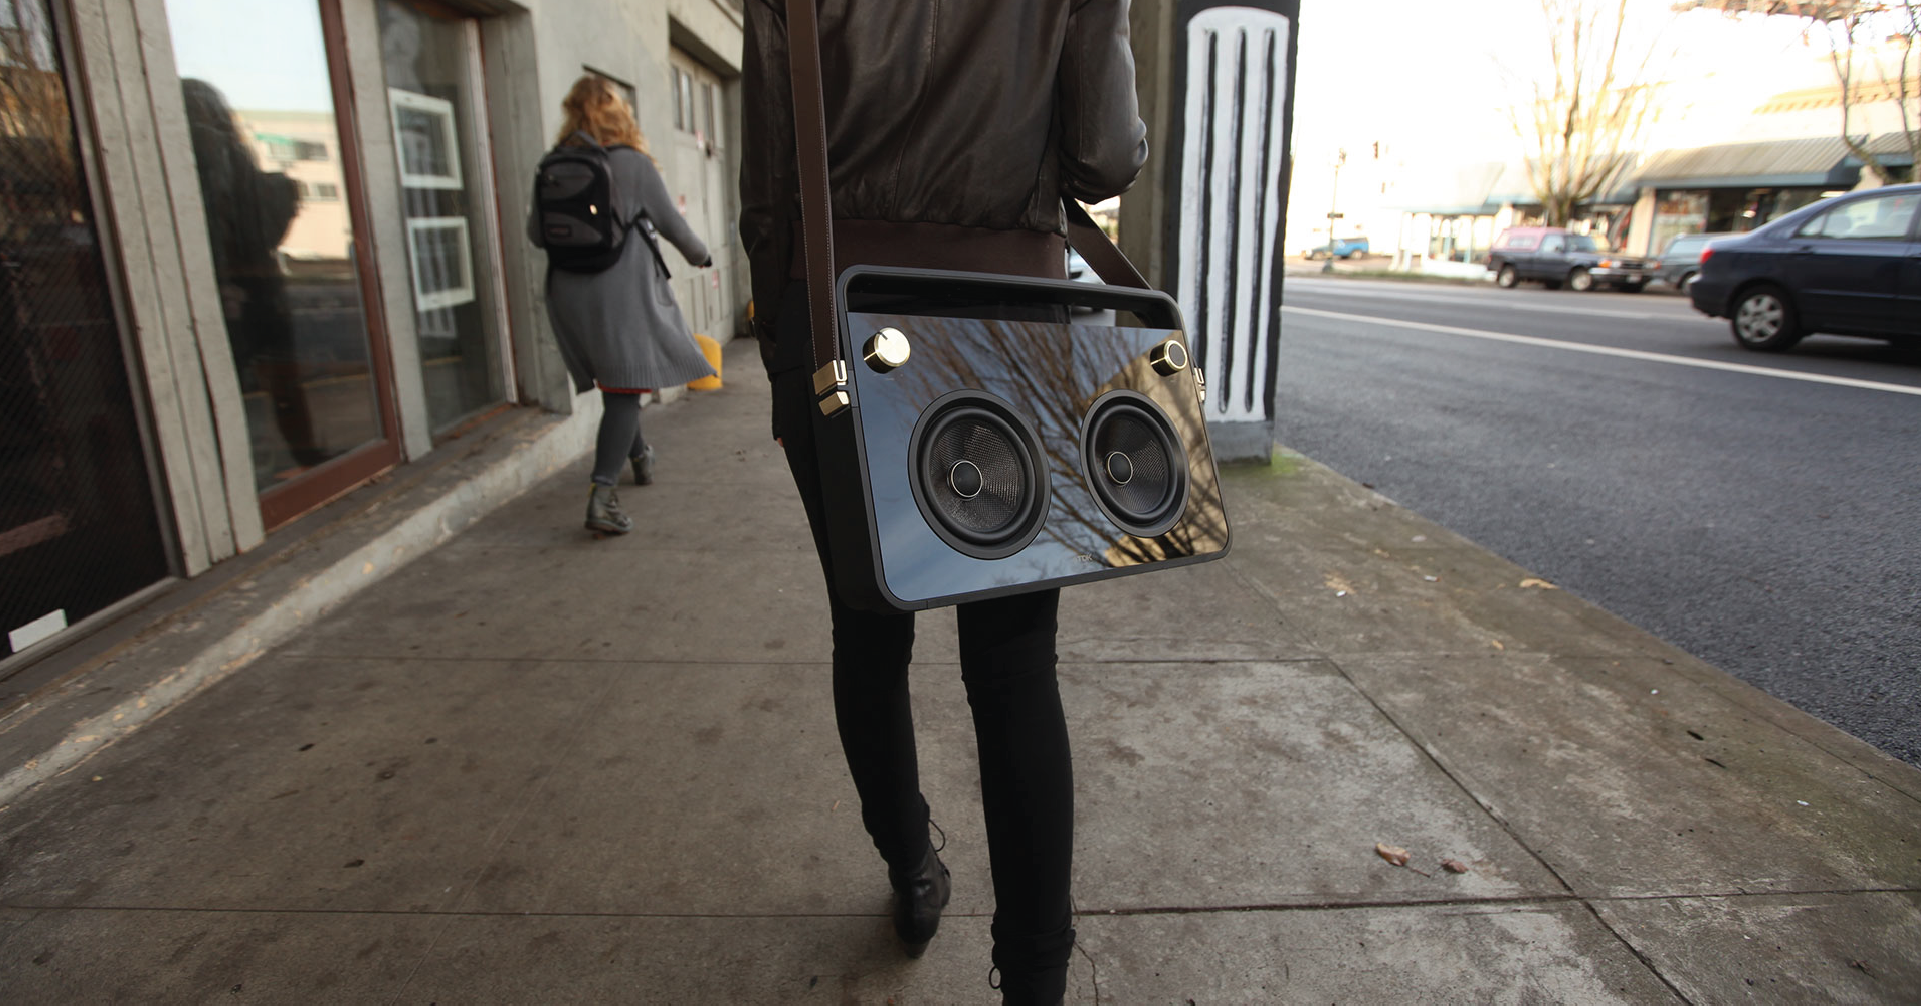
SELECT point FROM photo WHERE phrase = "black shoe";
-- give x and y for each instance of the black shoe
(644, 467)
(919, 896)
(1041, 989)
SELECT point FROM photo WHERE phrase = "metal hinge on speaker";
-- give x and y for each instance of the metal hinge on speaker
(830, 386)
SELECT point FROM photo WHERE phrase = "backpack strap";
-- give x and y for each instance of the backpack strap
(653, 243)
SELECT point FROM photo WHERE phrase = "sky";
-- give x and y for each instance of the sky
(261, 54)
(1432, 80)
(1428, 74)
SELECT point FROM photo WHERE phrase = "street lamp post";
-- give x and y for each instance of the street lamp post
(1333, 212)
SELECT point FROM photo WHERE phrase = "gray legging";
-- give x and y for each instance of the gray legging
(619, 437)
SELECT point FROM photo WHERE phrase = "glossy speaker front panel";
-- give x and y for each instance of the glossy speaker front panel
(1052, 371)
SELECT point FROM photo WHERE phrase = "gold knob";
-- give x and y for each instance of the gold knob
(1169, 358)
(886, 350)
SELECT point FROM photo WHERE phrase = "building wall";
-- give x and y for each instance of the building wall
(532, 52)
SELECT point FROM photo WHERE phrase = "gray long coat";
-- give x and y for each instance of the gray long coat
(621, 328)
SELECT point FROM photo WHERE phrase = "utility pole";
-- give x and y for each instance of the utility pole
(1207, 222)
(1333, 212)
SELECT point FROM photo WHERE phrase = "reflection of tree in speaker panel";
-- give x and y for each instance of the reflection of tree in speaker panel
(1052, 373)
(1034, 367)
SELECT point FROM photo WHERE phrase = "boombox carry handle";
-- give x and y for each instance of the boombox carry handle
(816, 212)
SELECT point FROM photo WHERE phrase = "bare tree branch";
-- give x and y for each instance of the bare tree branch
(1582, 128)
(1866, 26)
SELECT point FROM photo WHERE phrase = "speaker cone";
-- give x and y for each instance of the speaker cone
(1135, 463)
(978, 477)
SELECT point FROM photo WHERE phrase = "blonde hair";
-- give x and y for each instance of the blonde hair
(592, 106)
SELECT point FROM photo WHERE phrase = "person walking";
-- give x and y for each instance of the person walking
(954, 130)
(620, 328)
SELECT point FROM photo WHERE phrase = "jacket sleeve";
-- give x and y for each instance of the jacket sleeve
(666, 216)
(768, 187)
(1103, 142)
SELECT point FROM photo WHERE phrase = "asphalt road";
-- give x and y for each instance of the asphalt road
(1762, 512)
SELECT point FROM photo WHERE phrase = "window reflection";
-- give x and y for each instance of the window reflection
(266, 146)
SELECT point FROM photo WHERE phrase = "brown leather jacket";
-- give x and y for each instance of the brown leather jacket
(953, 130)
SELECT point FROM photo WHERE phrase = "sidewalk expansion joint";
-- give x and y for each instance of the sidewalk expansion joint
(1515, 901)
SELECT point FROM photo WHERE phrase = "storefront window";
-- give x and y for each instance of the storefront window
(1742, 210)
(431, 62)
(268, 151)
(79, 526)
(1676, 214)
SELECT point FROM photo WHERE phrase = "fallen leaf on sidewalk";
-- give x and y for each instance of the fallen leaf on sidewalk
(1398, 856)
(1453, 866)
(1538, 584)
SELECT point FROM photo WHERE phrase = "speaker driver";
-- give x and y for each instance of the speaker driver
(1135, 463)
(978, 476)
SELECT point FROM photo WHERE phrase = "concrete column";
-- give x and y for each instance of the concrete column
(1641, 224)
(1216, 83)
(151, 198)
(374, 121)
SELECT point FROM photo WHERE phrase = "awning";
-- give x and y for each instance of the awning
(1476, 210)
(1819, 163)
(1454, 191)
(1890, 149)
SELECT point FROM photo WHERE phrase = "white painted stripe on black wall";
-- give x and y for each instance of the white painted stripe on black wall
(1230, 201)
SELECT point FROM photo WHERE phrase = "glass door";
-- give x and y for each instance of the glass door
(431, 55)
(279, 174)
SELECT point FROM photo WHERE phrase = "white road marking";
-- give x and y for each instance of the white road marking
(1627, 354)
(1511, 305)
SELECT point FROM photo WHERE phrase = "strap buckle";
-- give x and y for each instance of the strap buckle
(830, 387)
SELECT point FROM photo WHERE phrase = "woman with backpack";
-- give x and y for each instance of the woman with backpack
(608, 294)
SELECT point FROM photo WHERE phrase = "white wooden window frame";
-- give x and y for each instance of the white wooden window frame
(448, 140)
(426, 299)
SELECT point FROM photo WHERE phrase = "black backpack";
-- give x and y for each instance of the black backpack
(583, 225)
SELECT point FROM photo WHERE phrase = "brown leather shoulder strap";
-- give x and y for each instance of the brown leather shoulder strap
(1102, 255)
(816, 210)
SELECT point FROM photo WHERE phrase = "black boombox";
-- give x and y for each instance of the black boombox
(989, 443)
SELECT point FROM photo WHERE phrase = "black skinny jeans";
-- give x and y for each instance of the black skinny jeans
(1007, 662)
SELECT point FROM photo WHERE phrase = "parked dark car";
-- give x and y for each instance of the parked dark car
(1680, 261)
(1552, 256)
(1850, 265)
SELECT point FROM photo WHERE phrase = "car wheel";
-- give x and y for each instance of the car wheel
(1580, 281)
(1507, 277)
(1687, 280)
(1764, 320)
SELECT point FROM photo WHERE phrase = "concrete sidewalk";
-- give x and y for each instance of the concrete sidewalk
(535, 767)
